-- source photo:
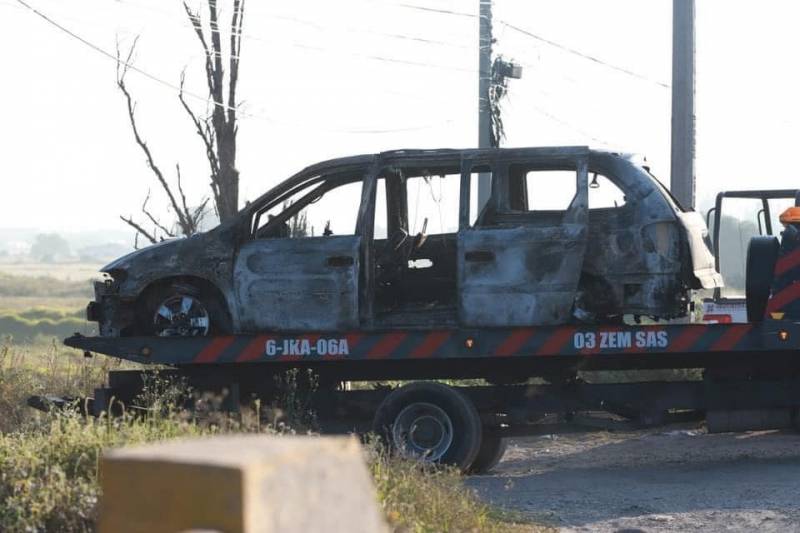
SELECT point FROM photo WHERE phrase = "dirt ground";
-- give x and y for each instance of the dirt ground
(653, 481)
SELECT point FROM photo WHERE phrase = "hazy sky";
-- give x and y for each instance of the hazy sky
(321, 79)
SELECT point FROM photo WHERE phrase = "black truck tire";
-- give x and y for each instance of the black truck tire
(432, 422)
(492, 449)
(762, 254)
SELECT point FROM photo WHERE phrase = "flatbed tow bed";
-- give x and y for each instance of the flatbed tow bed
(467, 353)
(751, 373)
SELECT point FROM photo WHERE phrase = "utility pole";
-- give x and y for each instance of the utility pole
(491, 89)
(484, 82)
(682, 179)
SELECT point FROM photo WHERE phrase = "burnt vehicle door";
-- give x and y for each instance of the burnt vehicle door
(300, 268)
(519, 262)
(412, 282)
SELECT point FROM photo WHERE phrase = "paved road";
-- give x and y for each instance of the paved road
(654, 481)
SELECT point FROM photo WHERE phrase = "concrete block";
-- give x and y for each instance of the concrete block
(239, 484)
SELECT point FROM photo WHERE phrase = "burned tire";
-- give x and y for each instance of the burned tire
(762, 254)
(492, 449)
(430, 422)
(181, 310)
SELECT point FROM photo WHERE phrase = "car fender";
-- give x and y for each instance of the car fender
(702, 259)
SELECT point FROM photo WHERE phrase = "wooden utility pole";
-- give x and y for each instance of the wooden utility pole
(682, 180)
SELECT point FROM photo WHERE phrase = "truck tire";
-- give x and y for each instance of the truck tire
(492, 449)
(431, 422)
(762, 254)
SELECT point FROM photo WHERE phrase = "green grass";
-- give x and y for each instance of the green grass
(19, 327)
(49, 479)
(49, 462)
(43, 306)
(43, 286)
(424, 499)
(44, 367)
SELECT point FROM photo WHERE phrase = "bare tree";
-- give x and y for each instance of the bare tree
(217, 129)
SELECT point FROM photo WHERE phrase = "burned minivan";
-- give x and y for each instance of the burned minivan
(402, 240)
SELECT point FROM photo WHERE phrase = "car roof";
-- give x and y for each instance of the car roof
(355, 162)
(436, 153)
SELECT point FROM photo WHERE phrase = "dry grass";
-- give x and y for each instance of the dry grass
(48, 462)
(78, 272)
(420, 498)
(44, 367)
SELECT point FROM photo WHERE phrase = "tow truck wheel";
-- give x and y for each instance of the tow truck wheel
(762, 254)
(430, 422)
(492, 449)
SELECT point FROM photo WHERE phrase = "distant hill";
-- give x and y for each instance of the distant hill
(102, 253)
(90, 246)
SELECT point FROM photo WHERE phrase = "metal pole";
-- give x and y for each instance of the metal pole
(682, 180)
(484, 109)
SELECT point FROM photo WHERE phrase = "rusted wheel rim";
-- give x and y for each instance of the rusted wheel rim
(423, 430)
(181, 316)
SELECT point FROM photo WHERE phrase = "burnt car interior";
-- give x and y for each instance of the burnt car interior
(415, 257)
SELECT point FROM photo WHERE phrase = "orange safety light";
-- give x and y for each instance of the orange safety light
(790, 216)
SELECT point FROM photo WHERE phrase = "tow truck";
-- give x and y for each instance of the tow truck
(744, 214)
(750, 370)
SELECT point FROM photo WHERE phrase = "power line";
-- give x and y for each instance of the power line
(567, 124)
(109, 55)
(555, 44)
(250, 36)
(241, 113)
(398, 36)
(583, 55)
(437, 10)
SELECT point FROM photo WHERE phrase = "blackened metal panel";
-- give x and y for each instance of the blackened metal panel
(299, 284)
(519, 276)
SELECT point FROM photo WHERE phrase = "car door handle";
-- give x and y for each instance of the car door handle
(479, 256)
(340, 261)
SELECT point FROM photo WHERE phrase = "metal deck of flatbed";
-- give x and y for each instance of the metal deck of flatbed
(751, 371)
(459, 353)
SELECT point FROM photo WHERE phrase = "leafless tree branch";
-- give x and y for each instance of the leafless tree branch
(206, 133)
(155, 222)
(121, 72)
(194, 19)
(139, 230)
(217, 130)
(237, 20)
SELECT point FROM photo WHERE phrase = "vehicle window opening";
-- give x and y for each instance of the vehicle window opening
(311, 210)
(415, 266)
(738, 224)
(478, 215)
(604, 193)
(541, 190)
(530, 193)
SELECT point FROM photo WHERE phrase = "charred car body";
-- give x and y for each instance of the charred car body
(568, 234)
